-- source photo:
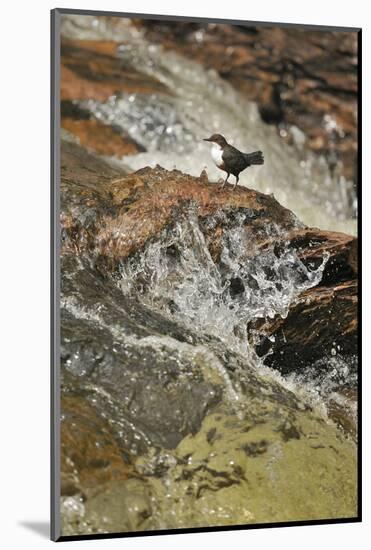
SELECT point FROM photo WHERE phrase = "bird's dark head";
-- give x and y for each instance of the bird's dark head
(217, 138)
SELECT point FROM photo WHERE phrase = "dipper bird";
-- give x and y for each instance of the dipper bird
(230, 159)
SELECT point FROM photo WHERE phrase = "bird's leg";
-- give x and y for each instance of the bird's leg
(225, 181)
(235, 185)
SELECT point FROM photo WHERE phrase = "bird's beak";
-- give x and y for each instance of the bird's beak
(206, 139)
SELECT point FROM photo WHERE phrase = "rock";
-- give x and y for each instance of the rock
(90, 455)
(343, 409)
(322, 322)
(232, 472)
(303, 78)
(114, 219)
(117, 507)
(100, 138)
(133, 365)
(342, 250)
(312, 245)
(163, 399)
(124, 506)
(91, 70)
(324, 319)
(134, 209)
(83, 170)
(290, 466)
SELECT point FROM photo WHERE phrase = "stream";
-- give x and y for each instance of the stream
(190, 427)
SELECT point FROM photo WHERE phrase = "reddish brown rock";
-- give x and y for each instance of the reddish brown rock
(128, 211)
(91, 70)
(111, 216)
(90, 454)
(100, 138)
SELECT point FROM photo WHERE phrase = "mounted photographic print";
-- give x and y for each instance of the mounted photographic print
(205, 177)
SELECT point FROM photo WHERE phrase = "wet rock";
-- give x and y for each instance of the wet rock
(100, 138)
(83, 170)
(343, 409)
(323, 321)
(134, 209)
(341, 249)
(288, 467)
(117, 507)
(111, 217)
(91, 70)
(90, 455)
(164, 423)
(303, 78)
(130, 363)
(120, 507)
(312, 245)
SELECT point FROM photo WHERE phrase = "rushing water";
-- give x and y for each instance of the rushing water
(161, 349)
(162, 352)
(177, 275)
(171, 127)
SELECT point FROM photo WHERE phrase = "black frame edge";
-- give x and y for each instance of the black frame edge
(192, 530)
(359, 252)
(55, 531)
(190, 18)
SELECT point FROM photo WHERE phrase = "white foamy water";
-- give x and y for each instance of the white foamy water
(175, 274)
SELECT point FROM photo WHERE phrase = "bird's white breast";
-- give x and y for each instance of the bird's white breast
(216, 154)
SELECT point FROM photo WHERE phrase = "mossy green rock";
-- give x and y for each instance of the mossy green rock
(231, 472)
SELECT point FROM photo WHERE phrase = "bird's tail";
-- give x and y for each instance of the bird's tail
(255, 158)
